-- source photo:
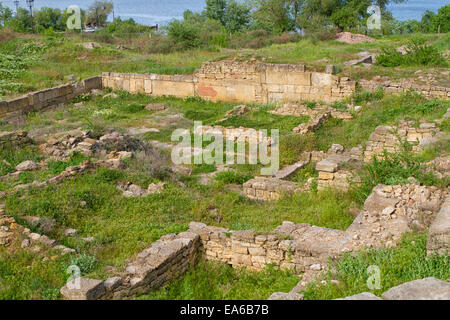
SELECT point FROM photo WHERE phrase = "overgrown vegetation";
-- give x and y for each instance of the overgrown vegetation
(418, 53)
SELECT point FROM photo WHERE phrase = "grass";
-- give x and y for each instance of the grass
(217, 281)
(25, 276)
(400, 264)
(261, 119)
(124, 226)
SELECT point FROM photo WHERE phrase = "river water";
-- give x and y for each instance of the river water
(151, 12)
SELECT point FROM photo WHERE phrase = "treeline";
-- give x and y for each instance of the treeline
(233, 23)
(50, 19)
(228, 23)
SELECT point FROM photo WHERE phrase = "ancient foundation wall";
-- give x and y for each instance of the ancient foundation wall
(239, 82)
(34, 101)
(257, 82)
(390, 138)
(400, 87)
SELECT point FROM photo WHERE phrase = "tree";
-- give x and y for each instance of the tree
(344, 14)
(237, 16)
(273, 15)
(215, 10)
(441, 21)
(50, 18)
(5, 15)
(427, 21)
(98, 13)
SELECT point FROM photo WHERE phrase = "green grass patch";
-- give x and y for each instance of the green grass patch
(406, 262)
(24, 276)
(217, 281)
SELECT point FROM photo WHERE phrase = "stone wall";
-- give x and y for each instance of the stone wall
(239, 82)
(266, 188)
(14, 138)
(153, 84)
(164, 261)
(256, 82)
(387, 137)
(403, 86)
(332, 171)
(389, 212)
(34, 101)
(439, 233)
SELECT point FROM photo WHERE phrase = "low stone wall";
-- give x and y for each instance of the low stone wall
(389, 212)
(400, 87)
(257, 82)
(154, 84)
(265, 189)
(439, 233)
(239, 82)
(331, 173)
(387, 137)
(164, 261)
(34, 101)
(14, 138)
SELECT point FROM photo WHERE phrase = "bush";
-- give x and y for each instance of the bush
(418, 54)
(395, 169)
(232, 177)
(85, 262)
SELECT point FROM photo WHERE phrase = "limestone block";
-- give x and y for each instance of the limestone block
(83, 289)
(423, 289)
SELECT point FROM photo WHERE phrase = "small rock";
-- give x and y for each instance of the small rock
(316, 267)
(35, 236)
(70, 232)
(91, 45)
(27, 166)
(155, 107)
(131, 269)
(25, 243)
(88, 239)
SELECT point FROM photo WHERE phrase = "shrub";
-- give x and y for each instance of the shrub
(394, 169)
(85, 262)
(367, 96)
(418, 54)
(230, 177)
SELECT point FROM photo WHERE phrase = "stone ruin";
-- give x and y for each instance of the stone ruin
(336, 168)
(318, 115)
(390, 138)
(388, 213)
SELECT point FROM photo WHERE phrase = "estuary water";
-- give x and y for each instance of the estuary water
(151, 12)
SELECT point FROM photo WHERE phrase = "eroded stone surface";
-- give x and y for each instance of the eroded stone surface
(362, 296)
(424, 289)
(83, 289)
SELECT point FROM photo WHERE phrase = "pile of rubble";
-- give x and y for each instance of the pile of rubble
(11, 231)
(132, 190)
(350, 38)
(318, 115)
(61, 145)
